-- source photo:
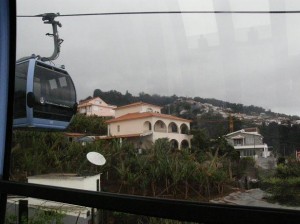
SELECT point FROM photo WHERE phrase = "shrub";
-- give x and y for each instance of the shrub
(285, 191)
(245, 165)
(291, 169)
(281, 160)
(284, 187)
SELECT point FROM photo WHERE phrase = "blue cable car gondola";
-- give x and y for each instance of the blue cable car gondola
(45, 95)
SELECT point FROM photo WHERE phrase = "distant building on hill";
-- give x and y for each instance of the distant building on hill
(248, 142)
(96, 106)
(143, 124)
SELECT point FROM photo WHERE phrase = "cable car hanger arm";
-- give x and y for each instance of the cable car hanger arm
(49, 18)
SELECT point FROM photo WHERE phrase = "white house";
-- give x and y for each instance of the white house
(248, 142)
(96, 106)
(69, 180)
(144, 123)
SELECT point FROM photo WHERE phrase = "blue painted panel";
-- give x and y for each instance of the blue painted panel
(4, 71)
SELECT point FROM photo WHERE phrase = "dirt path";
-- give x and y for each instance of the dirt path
(253, 197)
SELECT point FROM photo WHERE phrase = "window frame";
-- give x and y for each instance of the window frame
(7, 81)
(157, 207)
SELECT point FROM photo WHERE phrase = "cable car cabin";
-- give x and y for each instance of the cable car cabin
(45, 96)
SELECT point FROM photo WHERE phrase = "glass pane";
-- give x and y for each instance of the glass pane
(44, 211)
(193, 106)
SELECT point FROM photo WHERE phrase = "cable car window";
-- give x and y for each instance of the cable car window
(37, 87)
(20, 90)
(53, 94)
(63, 81)
(53, 84)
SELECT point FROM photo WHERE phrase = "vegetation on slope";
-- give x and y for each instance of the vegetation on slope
(285, 184)
(117, 98)
(160, 171)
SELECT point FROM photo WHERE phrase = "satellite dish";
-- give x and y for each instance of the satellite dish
(96, 158)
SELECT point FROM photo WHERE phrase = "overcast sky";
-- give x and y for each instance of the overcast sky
(241, 58)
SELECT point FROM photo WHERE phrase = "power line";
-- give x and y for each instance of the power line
(169, 12)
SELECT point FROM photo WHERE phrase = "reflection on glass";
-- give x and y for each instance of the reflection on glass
(200, 107)
(42, 211)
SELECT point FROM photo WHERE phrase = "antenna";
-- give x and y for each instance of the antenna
(96, 158)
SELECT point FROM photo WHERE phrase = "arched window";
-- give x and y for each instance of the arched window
(149, 109)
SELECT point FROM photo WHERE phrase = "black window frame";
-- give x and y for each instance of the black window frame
(164, 208)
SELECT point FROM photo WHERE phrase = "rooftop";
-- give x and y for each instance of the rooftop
(87, 102)
(250, 131)
(120, 136)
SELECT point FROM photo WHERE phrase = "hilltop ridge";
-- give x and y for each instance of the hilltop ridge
(192, 108)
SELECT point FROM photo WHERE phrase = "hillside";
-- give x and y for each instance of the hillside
(197, 105)
(211, 118)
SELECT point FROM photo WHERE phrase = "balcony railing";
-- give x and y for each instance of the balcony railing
(164, 208)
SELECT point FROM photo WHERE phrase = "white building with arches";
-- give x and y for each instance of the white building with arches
(144, 123)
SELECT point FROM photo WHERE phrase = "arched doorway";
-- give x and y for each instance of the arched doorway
(172, 128)
(160, 126)
(185, 144)
(174, 144)
(184, 129)
(147, 126)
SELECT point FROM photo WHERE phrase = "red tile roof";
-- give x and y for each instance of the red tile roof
(71, 134)
(84, 103)
(100, 105)
(118, 136)
(136, 104)
(134, 116)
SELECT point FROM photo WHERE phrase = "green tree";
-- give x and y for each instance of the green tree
(200, 140)
(88, 125)
(97, 93)
(214, 124)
